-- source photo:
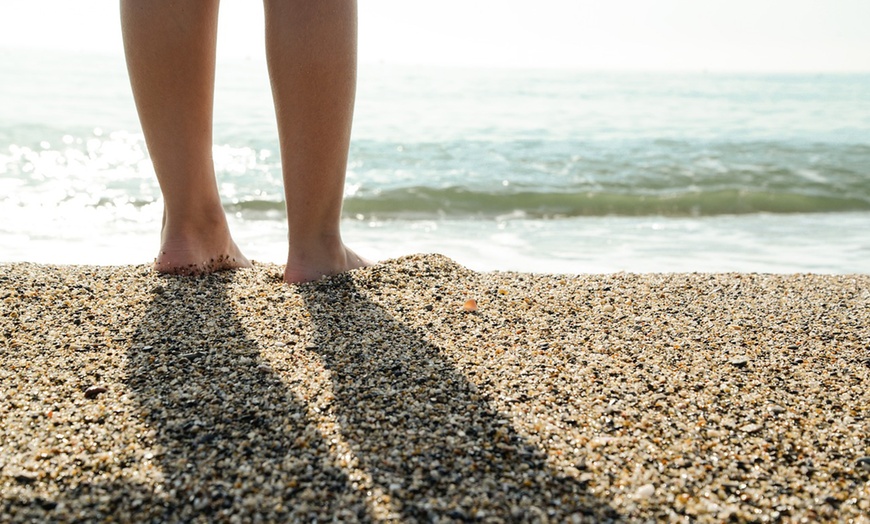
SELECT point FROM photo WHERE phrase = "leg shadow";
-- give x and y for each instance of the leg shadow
(420, 429)
(230, 440)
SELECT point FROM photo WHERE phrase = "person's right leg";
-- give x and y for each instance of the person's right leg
(170, 50)
(311, 49)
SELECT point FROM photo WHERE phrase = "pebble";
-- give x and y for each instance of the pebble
(26, 477)
(646, 491)
(94, 391)
(739, 362)
(776, 410)
(751, 428)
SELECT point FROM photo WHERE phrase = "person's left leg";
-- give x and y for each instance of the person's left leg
(170, 50)
(311, 49)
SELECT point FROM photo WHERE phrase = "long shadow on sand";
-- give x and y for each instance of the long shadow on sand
(420, 429)
(233, 440)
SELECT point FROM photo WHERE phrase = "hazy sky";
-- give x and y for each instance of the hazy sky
(716, 35)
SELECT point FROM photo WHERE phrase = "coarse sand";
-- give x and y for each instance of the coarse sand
(383, 395)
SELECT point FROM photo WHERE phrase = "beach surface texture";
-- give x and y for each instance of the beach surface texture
(420, 391)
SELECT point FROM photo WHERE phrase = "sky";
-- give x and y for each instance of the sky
(684, 35)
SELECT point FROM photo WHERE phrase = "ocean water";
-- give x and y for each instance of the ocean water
(534, 170)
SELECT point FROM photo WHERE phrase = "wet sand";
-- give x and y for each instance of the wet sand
(378, 395)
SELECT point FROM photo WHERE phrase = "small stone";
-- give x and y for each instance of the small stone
(608, 308)
(46, 504)
(94, 391)
(158, 290)
(470, 306)
(25, 477)
(739, 362)
(751, 428)
(644, 492)
(863, 463)
(264, 368)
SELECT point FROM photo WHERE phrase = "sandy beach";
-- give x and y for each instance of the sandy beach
(387, 395)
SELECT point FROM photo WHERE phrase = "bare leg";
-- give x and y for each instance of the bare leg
(170, 49)
(311, 49)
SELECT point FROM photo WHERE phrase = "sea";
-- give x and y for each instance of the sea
(533, 170)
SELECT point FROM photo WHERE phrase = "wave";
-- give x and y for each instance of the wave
(538, 179)
(458, 202)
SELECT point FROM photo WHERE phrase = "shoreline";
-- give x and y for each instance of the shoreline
(828, 244)
(375, 396)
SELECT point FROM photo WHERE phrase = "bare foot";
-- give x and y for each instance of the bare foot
(308, 267)
(199, 251)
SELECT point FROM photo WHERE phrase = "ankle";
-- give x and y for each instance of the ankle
(187, 226)
(315, 249)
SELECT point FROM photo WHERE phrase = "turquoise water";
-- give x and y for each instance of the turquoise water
(536, 170)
